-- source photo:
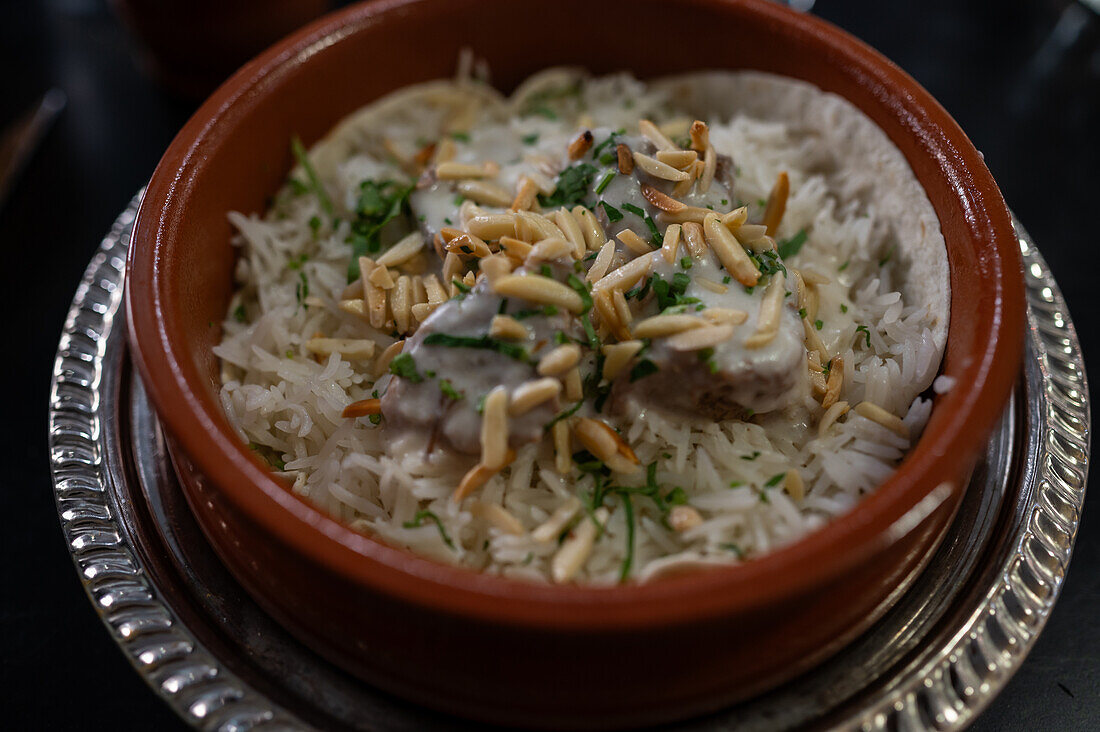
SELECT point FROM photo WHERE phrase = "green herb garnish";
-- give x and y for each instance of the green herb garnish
(239, 313)
(572, 186)
(449, 391)
(642, 369)
(404, 366)
(418, 520)
(460, 136)
(447, 340)
(755, 454)
(790, 247)
(649, 222)
(866, 334)
(605, 181)
(613, 214)
(302, 156)
(530, 139)
(379, 203)
(819, 324)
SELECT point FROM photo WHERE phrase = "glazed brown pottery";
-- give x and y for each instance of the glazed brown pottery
(510, 651)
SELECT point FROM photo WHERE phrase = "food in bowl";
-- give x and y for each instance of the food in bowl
(597, 331)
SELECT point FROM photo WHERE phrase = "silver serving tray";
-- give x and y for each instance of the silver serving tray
(935, 661)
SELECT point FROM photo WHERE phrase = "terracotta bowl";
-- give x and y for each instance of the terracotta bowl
(509, 651)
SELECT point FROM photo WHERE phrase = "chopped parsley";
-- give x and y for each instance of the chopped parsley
(605, 181)
(755, 454)
(726, 280)
(563, 415)
(790, 247)
(642, 369)
(581, 289)
(844, 266)
(819, 324)
(886, 257)
(613, 214)
(843, 308)
(608, 157)
(314, 224)
(460, 136)
(649, 222)
(866, 334)
(730, 547)
(546, 310)
(404, 366)
(239, 313)
(449, 391)
(774, 480)
(572, 186)
(706, 355)
(379, 203)
(530, 139)
(802, 313)
(301, 291)
(418, 520)
(314, 183)
(685, 262)
(767, 262)
(463, 288)
(510, 350)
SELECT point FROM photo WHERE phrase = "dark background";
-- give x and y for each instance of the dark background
(1024, 85)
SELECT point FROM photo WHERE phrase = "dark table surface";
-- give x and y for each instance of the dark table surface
(1023, 84)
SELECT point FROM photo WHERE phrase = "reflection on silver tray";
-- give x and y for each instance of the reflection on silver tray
(933, 662)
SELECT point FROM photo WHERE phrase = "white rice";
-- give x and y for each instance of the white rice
(289, 406)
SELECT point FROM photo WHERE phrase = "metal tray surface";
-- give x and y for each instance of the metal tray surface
(934, 662)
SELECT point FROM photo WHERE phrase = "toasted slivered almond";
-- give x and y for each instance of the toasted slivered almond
(530, 394)
(794, 485)
(834, 383)
(424, 155)
(399, 155)
(450, 233)
(684, 187)
(832, 414)
(767, 322)
(551, 528)
(709, 284)
(594, 236)
(700, 136)
(492, 226)
(736, 218)
(725, 315)
(710, 164)
(684, 215)
(468, 245)
(515, 249)
(544, 183)
(813, 277)
(574, 389)
(352, 289)
(679, 159)
(633, 242)
(580, 144)
(550, 249)
(484, 192)
(622, 308)
(416, 264)
(875, 413)
(602, 262)
(660, 200)
(382, 363)
(565, 221)
(559, 360)
(606, 444)
(373, 294)
(452, 270)
(817, 382)
(813, 360)
(478, 476)
(349, 348)
(421, 311)
(652, 133)
(682, 518)
(419, 294)
(730, 252)
(362, 408)
(457, 171)
(494, 428)
(625, 158)
(445, 151)
(401, 304)
(777, 203)
(563, 448)
(496, 515)
(575, 550)
(813, 340)
(534, 227)
(700, 338)
(380, 277)
(507, 327)
(666, 325)
(539, 289)
(658, 169)
(748, 233)
(403, 250)
(670, 247)
(626, 276)
(609, 317)
(526, 194)
(617, 356)
(434, 289)
(357, 306)
(695, 239)
(496, 266)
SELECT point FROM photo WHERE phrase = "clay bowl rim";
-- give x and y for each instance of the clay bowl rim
(196, 422)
